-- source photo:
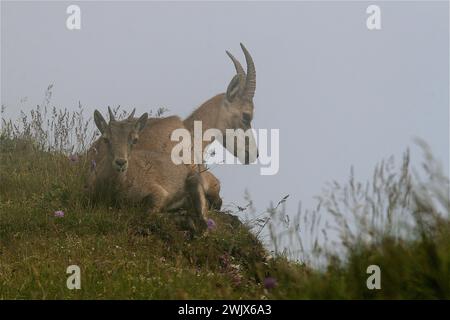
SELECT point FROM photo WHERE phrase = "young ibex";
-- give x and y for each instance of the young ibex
(139, 175)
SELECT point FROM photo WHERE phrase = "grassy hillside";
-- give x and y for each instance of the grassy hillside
(124, 253)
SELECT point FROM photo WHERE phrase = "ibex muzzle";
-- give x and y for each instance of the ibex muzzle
(120, 136)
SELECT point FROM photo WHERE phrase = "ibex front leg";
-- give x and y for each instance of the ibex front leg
(211, 185)
(197, 194)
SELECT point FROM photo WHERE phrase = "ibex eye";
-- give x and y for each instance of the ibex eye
(134, 140)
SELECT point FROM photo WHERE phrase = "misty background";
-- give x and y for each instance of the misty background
(340, 94)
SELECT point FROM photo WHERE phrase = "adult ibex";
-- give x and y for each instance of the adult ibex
(230, 110)
(140, 175)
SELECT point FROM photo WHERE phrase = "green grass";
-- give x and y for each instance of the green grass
(126, 254)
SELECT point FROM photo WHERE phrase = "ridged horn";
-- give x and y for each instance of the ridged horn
(111, 115)
(237, 64)
(131, 116)
(250, 81)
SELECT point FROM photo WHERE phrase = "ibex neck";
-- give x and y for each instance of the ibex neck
(209, 113)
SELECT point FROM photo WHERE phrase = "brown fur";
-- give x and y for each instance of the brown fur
(233, 109)
(150, 176)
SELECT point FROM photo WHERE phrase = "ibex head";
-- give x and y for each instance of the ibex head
(239, 107)
(119, 136)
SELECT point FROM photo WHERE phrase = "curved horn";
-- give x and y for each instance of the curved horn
(250, 81)
(131, 116)
(111, 115)
(237, 64)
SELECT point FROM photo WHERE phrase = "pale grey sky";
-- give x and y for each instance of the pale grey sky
(340, 94)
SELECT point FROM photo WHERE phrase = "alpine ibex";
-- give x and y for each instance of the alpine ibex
(230, 110)
(140, 175)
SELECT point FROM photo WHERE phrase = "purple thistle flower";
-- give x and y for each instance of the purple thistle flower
(225, 260)
(59, 214)
(270, 283)
(73, 158)
(236, 279)
(211, 224)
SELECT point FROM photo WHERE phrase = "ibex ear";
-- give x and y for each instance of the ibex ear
(100, 121)
(140, 124)
(233, 88)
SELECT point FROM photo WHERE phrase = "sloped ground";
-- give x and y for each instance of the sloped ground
(122, 252)
(125, 254)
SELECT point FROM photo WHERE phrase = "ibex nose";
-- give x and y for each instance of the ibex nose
(121, 162)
